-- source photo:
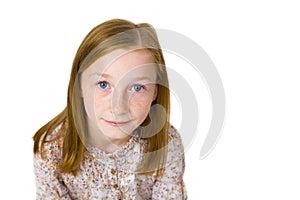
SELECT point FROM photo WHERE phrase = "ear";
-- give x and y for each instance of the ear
(155, 93)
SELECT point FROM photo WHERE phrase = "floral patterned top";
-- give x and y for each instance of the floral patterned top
(110, 175)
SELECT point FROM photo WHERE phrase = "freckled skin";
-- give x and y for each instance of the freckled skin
(118, 101)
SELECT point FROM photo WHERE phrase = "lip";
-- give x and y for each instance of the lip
(116, 124)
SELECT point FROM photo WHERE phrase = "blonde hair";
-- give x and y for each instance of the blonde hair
(104, 38)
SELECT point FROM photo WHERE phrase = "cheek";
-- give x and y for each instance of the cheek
(88, 100)
(88, 105)
(94, 104)
(140, 106)
(100, 104)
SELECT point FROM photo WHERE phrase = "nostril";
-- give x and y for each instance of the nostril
(120, 107)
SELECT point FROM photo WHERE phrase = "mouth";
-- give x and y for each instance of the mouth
(116, 124)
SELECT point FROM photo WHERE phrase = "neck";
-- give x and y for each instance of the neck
(108, 145)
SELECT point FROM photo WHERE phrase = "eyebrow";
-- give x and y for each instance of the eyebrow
(143, 78)
(101, 74)
(135, 79)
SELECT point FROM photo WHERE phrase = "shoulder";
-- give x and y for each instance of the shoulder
(51, 150)
(175, 164)
(173, 134)
(46, 163)
(175, 145)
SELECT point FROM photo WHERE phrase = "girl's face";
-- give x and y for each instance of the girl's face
(117, 91)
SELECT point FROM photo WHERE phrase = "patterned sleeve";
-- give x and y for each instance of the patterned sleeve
(49, 184)
(171, 185)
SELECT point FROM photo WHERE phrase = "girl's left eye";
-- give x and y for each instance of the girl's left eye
(138, 88)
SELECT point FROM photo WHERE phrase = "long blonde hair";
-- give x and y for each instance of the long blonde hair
(101, 40)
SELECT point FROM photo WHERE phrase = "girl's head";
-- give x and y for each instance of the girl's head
(118, 74)
(119, 86)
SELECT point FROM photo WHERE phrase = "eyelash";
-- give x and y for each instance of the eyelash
(142, 87)
(101, 82)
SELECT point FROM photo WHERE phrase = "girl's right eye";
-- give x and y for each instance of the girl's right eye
(103, 85)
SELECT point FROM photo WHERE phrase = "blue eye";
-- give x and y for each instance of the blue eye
(138, 88)
(103, 85)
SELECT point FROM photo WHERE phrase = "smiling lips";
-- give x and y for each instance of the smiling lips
(116, 124)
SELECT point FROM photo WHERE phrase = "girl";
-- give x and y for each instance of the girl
(114, 139)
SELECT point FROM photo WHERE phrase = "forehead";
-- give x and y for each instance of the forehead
(120, 62)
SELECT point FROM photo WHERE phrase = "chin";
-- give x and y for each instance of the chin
(116, 135)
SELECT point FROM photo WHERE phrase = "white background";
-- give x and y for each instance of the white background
(255, 46)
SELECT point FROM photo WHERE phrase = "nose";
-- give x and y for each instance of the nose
(119, 103)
